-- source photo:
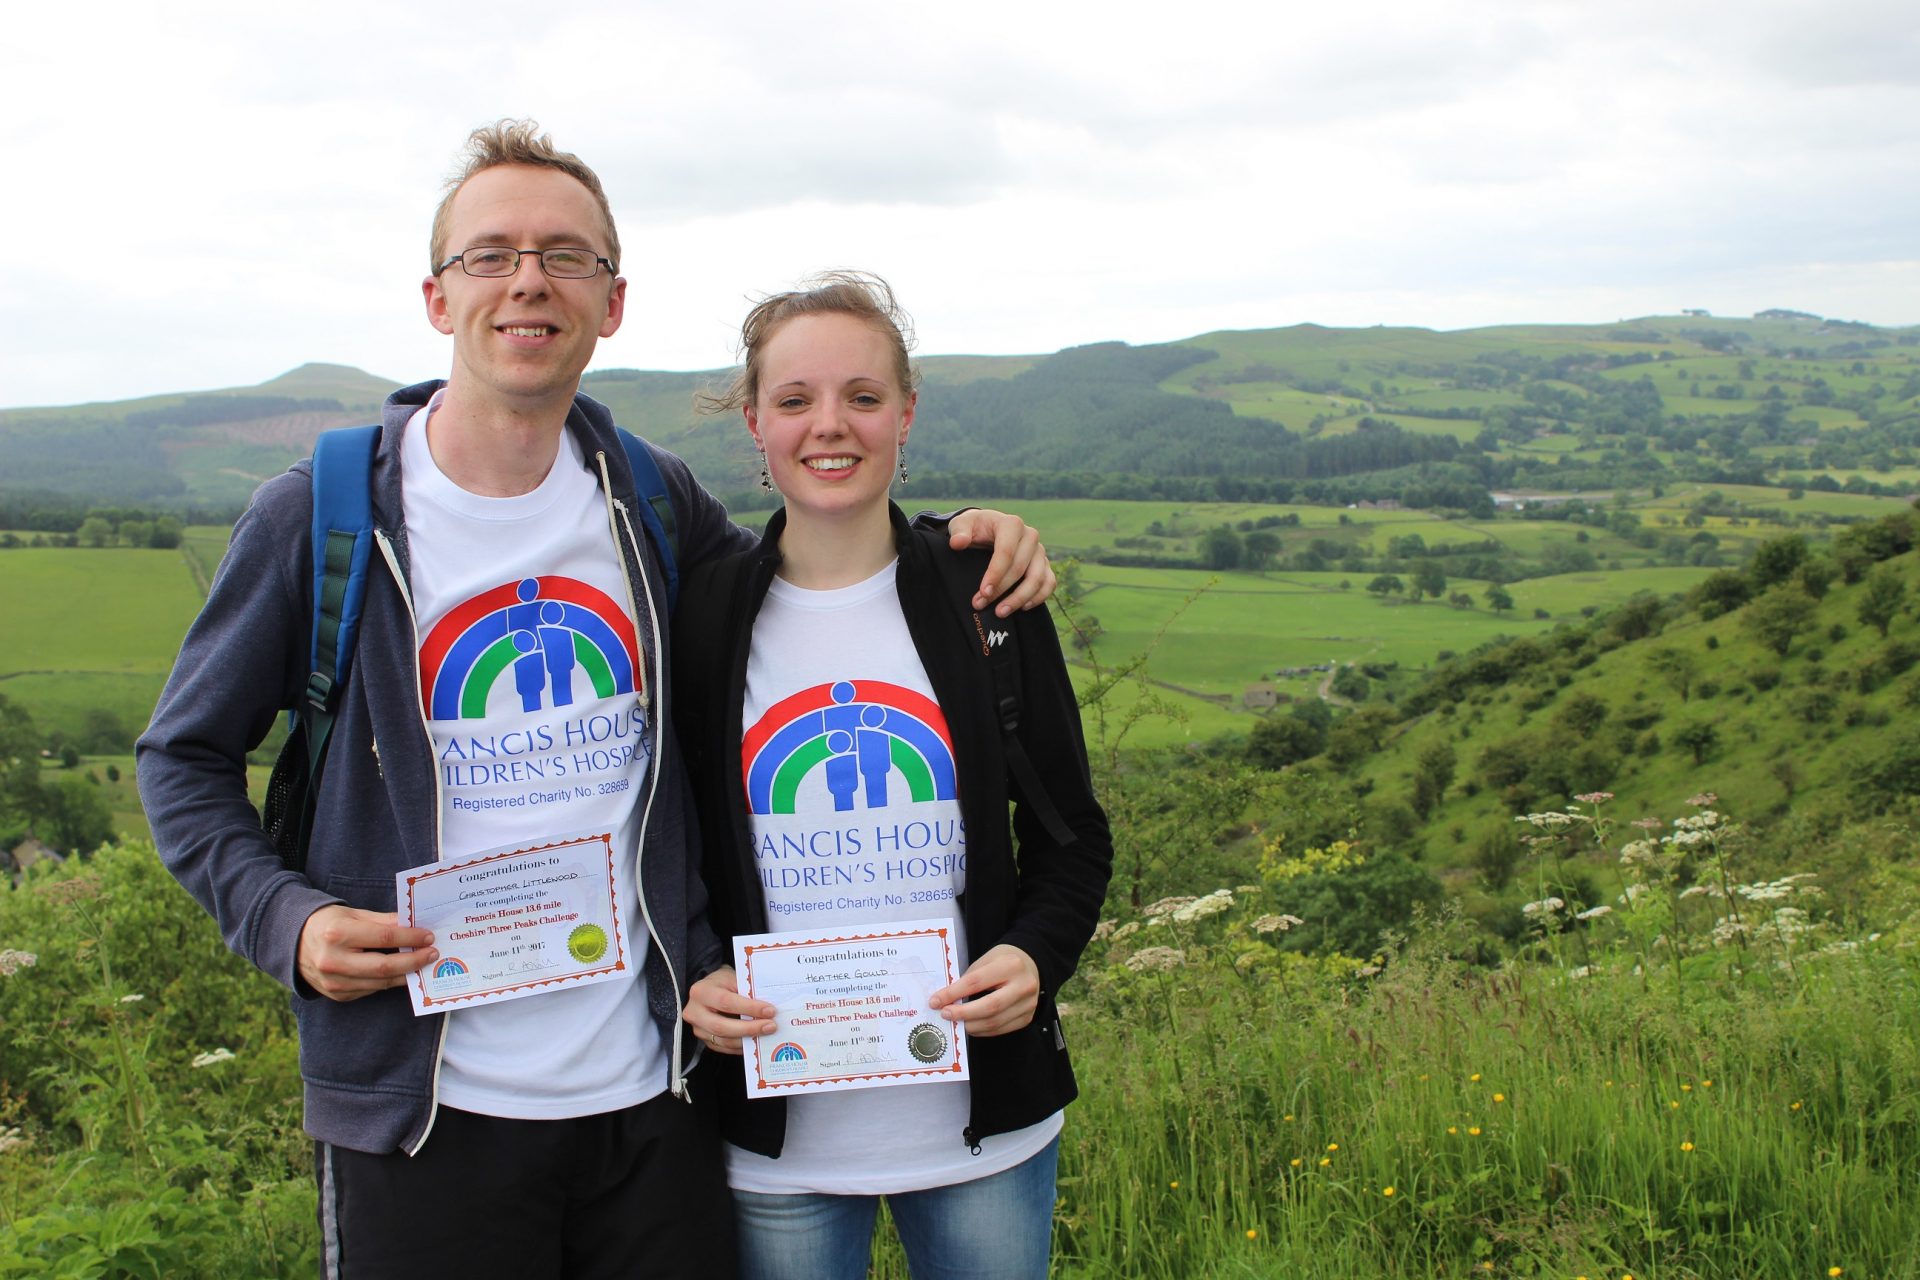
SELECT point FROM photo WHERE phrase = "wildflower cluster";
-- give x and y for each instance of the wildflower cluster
(1200, 908)
(1156, 959)
(1666, 865)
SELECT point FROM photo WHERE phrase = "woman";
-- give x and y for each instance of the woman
(840, 600)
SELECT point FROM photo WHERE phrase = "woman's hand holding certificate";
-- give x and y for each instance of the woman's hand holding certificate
(851, 1011)
(998, 993)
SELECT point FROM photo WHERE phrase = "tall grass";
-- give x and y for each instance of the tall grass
(1246, 1110)
(1439, 1120)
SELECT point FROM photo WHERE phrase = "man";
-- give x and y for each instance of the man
(549, 1135)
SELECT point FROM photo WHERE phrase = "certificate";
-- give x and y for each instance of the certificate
(515, 922)
(851, 1008)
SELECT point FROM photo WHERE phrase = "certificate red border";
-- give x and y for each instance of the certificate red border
(613, 893)
(955, 1057)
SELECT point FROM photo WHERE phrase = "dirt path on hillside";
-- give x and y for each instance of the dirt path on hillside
(1327, 694)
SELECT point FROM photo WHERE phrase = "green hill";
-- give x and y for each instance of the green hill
(1325, 414)
(1660, 697)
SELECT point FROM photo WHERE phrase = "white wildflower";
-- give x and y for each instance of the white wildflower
(11, 1137)
(1126, 931)
(1698, 821)
(1697, 891)
(1633, 894)
(1584, 971)
(1367, 970)
(1727, 929)
(208, 1059)
(1544, 907)
(1594, 913)
(1165, 907)
(12, 962)
(1785, 887)
(132, 999)
(1638, 851)
(1211, 905)
(1156, 959)
(1595, 797)
(1276, 923)
(1790, 922)
(1103, 931)
(1246, 888)
(1551, 820)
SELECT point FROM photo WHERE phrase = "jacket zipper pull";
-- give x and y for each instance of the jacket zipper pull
(968, 1136)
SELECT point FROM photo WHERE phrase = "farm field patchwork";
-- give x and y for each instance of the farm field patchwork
(1211, 635)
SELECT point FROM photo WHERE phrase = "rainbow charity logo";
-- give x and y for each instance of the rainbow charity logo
(539, 632)
(858, 733)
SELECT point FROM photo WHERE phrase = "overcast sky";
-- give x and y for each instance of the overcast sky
(208, 194)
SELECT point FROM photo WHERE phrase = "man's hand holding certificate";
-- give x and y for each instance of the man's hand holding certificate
(516, 922)
(851, 1009)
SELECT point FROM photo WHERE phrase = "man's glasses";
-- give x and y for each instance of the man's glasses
(499, 260)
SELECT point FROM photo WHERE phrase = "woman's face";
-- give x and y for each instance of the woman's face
(831, 414)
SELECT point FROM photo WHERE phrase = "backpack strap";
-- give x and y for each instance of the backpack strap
(656, 509)
(997, 642)
(342, 550)
(342, 536)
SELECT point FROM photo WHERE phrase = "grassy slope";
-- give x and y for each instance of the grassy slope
(1757, 729)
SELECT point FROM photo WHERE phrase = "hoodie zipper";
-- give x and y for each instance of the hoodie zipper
(619, 520)
(388, 554)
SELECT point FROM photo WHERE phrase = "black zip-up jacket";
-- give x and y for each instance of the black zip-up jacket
(371, 1068)
(1045, 898)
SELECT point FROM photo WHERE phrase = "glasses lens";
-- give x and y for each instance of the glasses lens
(570, 264)
(490, 260)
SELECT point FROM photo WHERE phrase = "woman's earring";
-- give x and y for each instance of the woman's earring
(903, 464)
(766, 480)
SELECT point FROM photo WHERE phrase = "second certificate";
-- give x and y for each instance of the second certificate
(852, 1008)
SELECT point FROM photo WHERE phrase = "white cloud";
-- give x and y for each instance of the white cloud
(237, 188)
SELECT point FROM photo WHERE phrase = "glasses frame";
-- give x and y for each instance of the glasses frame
(519, 254)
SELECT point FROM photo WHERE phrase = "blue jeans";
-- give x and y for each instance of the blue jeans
(995, 1228)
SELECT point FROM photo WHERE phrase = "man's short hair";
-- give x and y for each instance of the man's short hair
(517, 142)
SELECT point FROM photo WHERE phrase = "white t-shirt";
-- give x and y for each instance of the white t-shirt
(855, 810)
(534, 682)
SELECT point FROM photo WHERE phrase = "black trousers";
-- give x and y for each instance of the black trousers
(634, 1193)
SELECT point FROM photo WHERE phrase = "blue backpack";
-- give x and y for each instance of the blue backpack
(342, 552)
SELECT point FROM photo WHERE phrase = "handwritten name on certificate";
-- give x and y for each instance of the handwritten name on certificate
(515, 922)
(851, 1008)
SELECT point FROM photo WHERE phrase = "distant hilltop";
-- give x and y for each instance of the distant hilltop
(1262, 414)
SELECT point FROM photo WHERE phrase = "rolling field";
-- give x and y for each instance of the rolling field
(1211, 635)
(91, 629)
(98, 628)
